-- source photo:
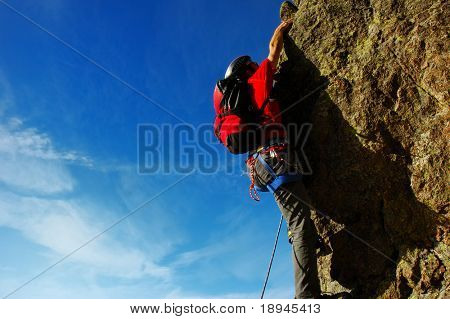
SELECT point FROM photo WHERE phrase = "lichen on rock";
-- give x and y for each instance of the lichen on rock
(379, 144)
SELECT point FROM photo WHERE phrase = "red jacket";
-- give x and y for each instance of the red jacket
(260, 83)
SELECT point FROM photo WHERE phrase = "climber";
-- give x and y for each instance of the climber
(249, 120)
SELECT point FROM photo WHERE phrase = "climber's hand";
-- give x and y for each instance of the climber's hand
(285, 26)
(276, 43)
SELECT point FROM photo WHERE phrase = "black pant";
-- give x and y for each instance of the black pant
(297, 216)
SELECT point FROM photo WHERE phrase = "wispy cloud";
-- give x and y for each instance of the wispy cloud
(17, 140)
(63, 225)
(29, 161)
(37, 200)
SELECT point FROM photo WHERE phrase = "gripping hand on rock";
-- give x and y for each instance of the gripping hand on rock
(276, 43)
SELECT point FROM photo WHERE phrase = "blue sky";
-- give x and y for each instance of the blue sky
(68, 159)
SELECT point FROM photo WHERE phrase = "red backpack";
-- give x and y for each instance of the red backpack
(237, 120)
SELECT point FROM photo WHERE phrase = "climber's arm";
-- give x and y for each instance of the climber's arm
(276, 43)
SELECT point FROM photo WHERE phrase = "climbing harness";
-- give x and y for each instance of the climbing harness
(271, 258)
(277, 180)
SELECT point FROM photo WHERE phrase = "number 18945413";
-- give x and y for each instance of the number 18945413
(290, 308)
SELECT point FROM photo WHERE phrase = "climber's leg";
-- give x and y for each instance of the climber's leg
(303, 234)
(289, 198)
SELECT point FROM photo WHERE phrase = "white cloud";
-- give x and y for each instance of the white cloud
(29, 162)
(16, 140)
(63, 226)
(34, 175)
(38, 202)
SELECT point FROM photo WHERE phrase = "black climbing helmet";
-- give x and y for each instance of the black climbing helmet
(239, 65)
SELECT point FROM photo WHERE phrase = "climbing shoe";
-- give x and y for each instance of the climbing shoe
(287, 11)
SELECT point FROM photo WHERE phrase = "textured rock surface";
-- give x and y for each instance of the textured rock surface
(379, 144)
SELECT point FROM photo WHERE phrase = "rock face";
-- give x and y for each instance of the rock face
(378, 73)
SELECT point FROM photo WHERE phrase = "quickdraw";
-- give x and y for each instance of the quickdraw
(252, 191)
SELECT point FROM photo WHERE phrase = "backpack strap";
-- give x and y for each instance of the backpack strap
(223, 114)
(226, 113)
(263, 106)
(260, 112)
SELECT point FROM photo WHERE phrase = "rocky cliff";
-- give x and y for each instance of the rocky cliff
(372, 77)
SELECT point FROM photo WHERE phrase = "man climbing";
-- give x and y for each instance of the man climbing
(249, 120)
